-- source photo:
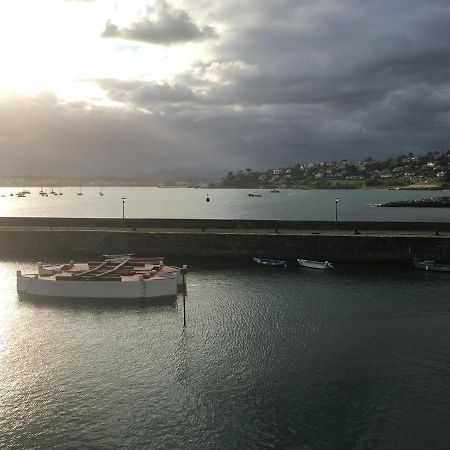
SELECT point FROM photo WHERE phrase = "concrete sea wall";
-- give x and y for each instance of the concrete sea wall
(226, 224)
(341, 241)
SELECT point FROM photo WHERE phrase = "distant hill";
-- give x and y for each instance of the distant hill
(431, 170)
(178, 177)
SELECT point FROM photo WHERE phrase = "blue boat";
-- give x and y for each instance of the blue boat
(270, 262)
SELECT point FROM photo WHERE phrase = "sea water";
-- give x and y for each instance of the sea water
(288, 204)
(352, 358)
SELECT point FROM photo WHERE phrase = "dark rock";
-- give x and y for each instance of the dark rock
(436, 202)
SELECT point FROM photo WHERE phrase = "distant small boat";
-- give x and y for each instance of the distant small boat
(274, 190)
(269, 262)
(315, 264)
(429, 264)
(254, 195)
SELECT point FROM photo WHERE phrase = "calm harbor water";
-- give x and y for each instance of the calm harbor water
(289, 204)
(295, 358)
(354, 358)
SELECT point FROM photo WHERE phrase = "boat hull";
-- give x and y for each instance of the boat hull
(155, 287)
(314, 264)
(270, 262)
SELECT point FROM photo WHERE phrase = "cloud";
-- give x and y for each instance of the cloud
(145, 94)
(77, 139)
(169, 26)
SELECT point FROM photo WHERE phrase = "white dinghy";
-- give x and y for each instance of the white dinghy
(315, 264)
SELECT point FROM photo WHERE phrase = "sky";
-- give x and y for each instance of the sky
(142, 89)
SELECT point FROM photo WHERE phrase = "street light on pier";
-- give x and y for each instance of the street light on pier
(336, 201)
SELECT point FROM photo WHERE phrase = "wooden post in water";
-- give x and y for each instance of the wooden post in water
(123, 211)
(183, 272)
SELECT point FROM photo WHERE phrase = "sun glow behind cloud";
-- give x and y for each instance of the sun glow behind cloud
(56, 46)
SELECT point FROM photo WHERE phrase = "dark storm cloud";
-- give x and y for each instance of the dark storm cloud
(172, 26)
(76, 139)
(364, 78)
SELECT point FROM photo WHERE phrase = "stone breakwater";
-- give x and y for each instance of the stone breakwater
(179, 238)
(433, 202)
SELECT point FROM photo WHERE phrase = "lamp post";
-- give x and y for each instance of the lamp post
(336, 201)
(123, 209)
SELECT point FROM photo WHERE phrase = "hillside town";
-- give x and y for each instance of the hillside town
(407, 171)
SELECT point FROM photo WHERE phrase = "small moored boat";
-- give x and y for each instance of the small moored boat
(429, 264)
(269, 262)
(315, 264)
(254, 195)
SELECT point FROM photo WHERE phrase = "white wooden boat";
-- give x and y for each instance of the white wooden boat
(429, 264)
(315, 264)
(108, 279)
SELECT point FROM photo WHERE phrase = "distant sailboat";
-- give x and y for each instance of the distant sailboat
(100, 192)
(81, 192)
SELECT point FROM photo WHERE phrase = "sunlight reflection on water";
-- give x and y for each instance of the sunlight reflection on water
(148, 202)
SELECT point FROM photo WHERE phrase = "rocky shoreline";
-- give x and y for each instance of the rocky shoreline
(433, 202)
